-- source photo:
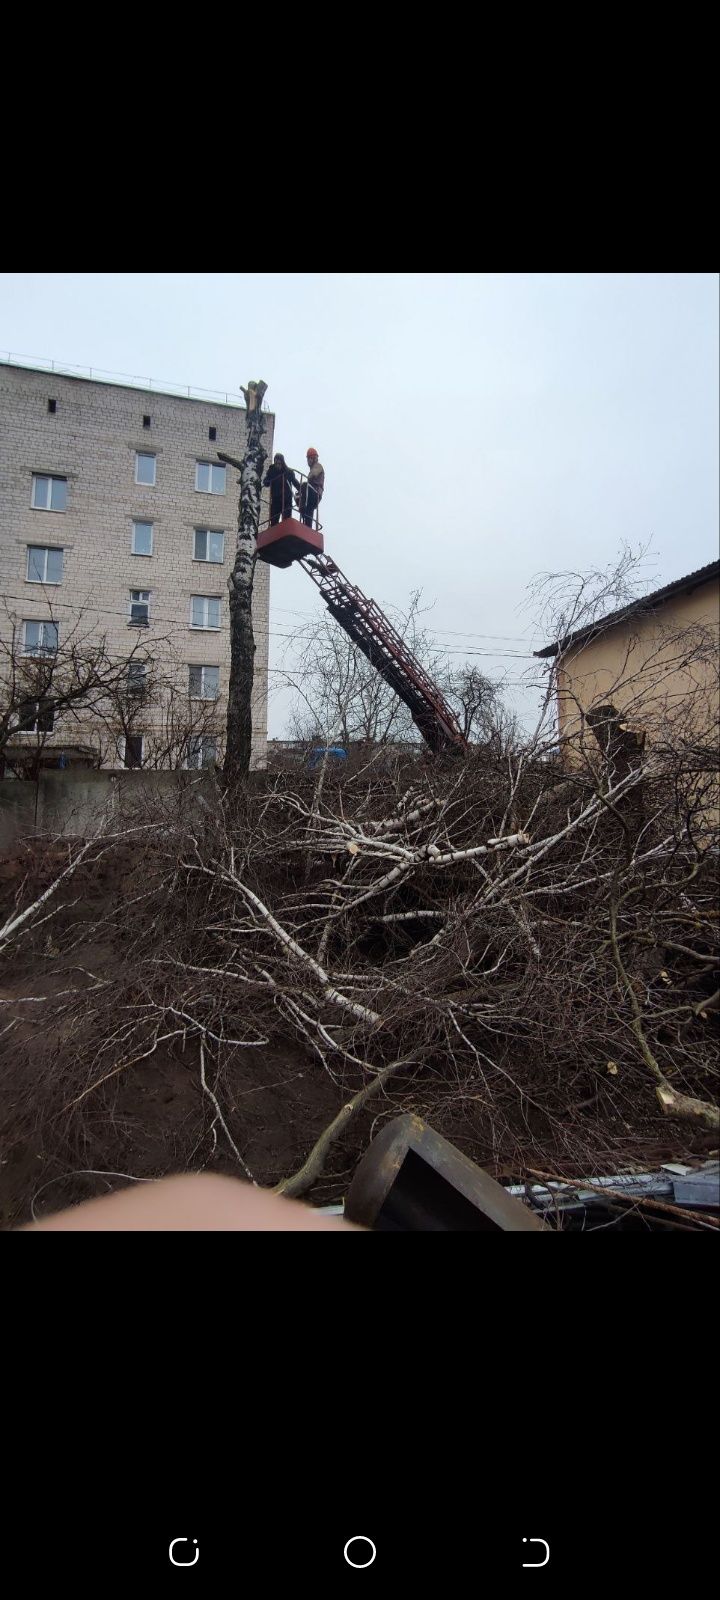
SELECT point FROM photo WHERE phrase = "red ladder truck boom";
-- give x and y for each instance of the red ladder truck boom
(372, 631)
(367, 625)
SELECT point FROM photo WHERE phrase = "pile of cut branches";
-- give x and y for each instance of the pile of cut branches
(522, 955)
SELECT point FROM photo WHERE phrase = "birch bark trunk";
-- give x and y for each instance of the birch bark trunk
(240, 585)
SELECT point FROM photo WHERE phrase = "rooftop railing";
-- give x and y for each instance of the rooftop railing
(126, 379)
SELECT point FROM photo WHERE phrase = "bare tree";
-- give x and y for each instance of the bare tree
(479, 707)
(240, 584)
(340, 696)
(178, 722)
(70, 688)
(70, 679)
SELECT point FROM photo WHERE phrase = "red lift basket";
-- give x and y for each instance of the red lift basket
(288, 541)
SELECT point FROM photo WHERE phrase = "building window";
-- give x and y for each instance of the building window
(212, 433)
(204, 683)
(36, 716)
(144, 468)
(137, 677)
(48, 494)
(139, 608)
(146, 422)
(52, 407)
(142, 539)
(209, 545)
(40, 639)
(202, 751)
(205, 612)
(133, 750)
(44, 565)
(209, 478)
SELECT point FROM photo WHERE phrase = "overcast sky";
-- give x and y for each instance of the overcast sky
(475, 428)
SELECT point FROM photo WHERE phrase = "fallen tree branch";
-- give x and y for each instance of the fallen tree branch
(208, 1091)
(315, 1163)
(12, 926)
(132, 1062)
(674, 1104)
(331, 993)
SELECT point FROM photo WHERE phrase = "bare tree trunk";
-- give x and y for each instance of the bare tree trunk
(240, 585)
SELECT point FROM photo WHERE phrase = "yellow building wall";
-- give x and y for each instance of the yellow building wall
(660, 670)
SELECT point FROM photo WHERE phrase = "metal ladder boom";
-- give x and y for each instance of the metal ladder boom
(380, 642)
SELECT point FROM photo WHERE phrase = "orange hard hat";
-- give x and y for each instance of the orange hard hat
(311, 452)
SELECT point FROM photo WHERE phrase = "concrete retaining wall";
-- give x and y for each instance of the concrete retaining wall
(71, 804)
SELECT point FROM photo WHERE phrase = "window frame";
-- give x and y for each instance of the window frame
(217, 533)
(50, 478)
(35, 730)
(213, 466)
(206, 627)
(146, 455)
(202, 668)
(135, 767)
(134, 622)
(40, 649)
(136, 686)
(198, 740)
(142, 522)
(53, 582)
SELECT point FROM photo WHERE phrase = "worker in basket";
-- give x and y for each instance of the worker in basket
(280, 480)
(311, 493)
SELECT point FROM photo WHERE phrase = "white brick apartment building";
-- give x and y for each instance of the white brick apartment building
(118, 524)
